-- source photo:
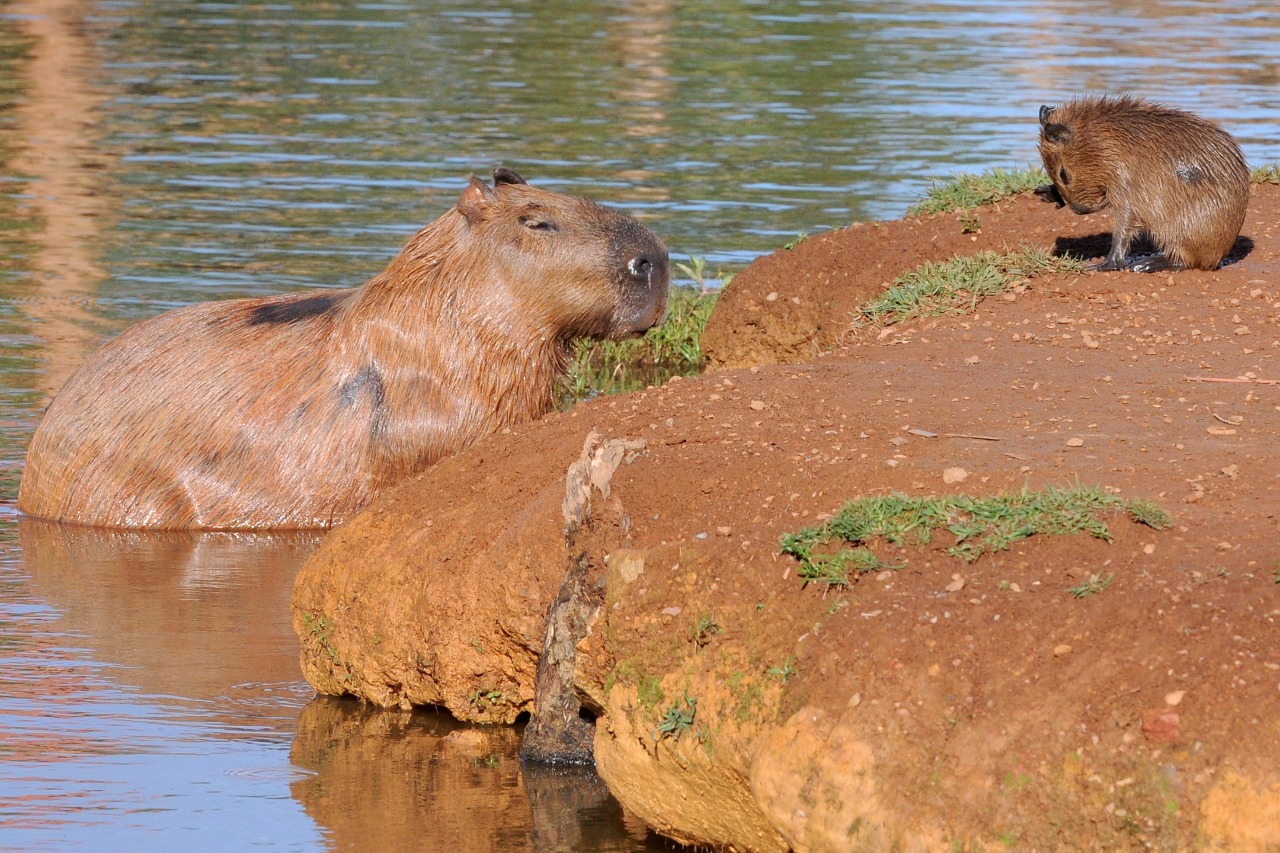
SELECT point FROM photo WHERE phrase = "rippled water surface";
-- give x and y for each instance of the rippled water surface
(158, 152)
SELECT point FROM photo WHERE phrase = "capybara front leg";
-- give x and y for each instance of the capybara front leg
(1121, 237)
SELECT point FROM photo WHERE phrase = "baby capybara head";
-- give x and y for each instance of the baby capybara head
(1072, 158)
(568, 264)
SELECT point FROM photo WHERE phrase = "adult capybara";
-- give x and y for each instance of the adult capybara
(1170, 174)
(291, 411)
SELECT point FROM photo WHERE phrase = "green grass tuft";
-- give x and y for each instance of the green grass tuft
(1269, 174)
(959, 284)
(670, 349)
(676, 720)
(1095, 584)
(967, 191)
(979, 525)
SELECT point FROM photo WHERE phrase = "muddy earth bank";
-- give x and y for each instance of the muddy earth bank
(1004, 703)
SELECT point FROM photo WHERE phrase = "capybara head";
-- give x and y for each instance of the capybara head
(1071, 157)
(578, 267)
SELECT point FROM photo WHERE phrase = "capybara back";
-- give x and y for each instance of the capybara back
(292, 411)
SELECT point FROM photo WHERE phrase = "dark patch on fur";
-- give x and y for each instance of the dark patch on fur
(295, 310)
(1190, 173)
(367, 380)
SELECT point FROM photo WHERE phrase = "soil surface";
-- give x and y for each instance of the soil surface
(941, 705)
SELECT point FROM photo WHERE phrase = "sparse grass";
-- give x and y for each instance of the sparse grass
(318, 626)
(649, 691)
(676, 720)
(959, 284)
(1096, 583)
(791, 244)
(696, 270)
(967, 191)
(480, 698)
(705, 628)
(670, 349)
(1269, 174)
(785, 672)
(979, 525)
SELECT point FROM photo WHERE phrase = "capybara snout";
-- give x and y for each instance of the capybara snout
(292, 411)
(579, 242)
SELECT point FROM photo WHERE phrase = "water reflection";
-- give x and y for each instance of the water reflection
(202, 617)
(146, 679)
(158, 672)
(64, 169)
(437, 785)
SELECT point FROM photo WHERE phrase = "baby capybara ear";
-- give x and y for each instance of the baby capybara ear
(503, 175)
(1056, 133)
(476, 200)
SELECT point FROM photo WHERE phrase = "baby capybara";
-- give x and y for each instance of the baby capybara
(291, 411)
(1170, 174)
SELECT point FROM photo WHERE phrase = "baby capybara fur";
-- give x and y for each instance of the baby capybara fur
(1171, 175)
(292, 411)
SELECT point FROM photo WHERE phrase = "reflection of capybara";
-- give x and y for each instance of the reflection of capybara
(1172, 175)
(291, 411)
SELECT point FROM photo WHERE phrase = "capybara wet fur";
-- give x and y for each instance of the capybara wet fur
(1167, 174)
(292, 411)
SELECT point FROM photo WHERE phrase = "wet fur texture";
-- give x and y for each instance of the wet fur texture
(292, 411)
(1169, 174)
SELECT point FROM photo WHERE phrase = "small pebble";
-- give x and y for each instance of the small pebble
(1075, 442)
(951, 476)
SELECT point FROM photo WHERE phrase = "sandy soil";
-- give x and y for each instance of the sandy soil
(944, 705)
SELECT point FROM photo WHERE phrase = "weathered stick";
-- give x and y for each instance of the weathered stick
(1239, 381)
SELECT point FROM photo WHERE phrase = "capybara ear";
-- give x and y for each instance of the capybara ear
(1044, 114)
(503, 175)
(475, 201)
(1059, 134)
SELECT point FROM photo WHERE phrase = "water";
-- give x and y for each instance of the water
(160, 152)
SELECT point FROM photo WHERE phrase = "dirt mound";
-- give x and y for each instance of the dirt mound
(1066, 693)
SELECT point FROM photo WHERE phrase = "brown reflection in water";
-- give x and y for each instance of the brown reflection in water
(641, 39)
(641, 42)
(58, 148)
(392, 780)
(199, 616)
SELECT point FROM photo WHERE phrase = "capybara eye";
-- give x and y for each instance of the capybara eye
(1063, 175)
(537, 223)
(640, 266)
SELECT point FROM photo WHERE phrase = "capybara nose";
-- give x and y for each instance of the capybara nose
(641, 267)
